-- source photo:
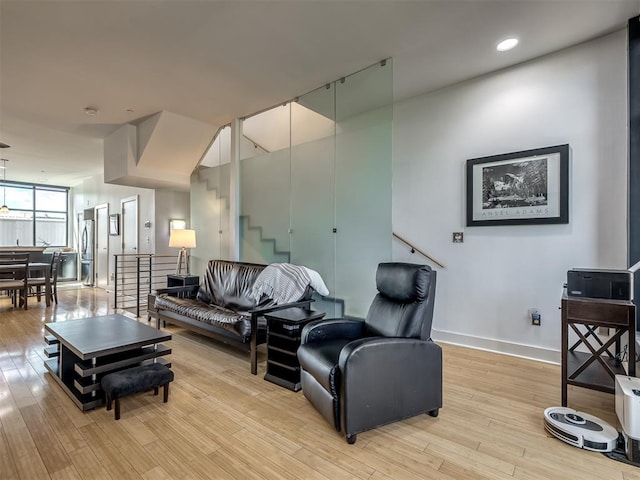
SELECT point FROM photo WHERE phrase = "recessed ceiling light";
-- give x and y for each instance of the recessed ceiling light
(91, 111)
(507, 44)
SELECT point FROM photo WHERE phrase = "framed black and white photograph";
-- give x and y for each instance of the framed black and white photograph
(114, 224)
(519, 188)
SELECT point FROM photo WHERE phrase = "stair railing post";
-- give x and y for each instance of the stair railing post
(137, 286)
(151, 257)
(115, 285)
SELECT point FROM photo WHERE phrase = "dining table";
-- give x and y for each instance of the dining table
(33, 268)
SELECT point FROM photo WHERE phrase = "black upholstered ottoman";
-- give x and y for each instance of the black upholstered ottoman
(135, 380)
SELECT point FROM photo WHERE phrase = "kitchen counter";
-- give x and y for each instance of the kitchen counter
(22, 249)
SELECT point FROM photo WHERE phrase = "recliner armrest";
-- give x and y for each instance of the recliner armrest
(330, 328)
(389, 350)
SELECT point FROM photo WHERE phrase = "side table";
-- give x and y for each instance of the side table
(182, 280)
(596, 369)
(284, 328)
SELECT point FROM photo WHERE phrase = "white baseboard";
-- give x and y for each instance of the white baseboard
(498, 346)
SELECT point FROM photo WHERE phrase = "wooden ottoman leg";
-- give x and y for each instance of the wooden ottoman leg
(155, 390)
(165, 391)
(117, 409)
(108, 401)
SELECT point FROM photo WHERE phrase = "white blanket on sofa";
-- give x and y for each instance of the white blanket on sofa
(285, 282)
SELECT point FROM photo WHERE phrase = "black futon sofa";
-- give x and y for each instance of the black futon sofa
(221, 307)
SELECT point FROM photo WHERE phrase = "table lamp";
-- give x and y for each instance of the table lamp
(182, 239)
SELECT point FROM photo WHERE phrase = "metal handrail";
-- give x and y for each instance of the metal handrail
(415, 249)
(137, 275)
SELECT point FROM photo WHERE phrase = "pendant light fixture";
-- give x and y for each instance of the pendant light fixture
(4, 209)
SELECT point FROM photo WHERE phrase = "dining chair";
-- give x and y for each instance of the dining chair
(4, 275)
(36, 283)
(15, 275)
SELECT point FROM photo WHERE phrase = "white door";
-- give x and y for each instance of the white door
(129, 208)
(102, 246)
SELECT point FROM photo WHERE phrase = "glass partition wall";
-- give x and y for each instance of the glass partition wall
(313, 202)
(265, 186)
(210, 186)
(314, 188)
(315, 185)
(364, 115)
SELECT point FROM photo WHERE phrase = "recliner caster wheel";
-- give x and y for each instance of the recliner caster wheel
(351, 439)
(434, 413)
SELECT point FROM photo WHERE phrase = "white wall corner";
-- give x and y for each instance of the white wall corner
(144, 132)
(120, 150)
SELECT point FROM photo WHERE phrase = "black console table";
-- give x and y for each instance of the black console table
(283, 339)
(596, 369)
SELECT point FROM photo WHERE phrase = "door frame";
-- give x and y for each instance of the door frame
(134, 198)
(78, 233)
(95, 241)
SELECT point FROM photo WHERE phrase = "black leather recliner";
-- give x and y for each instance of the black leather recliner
(363, 374)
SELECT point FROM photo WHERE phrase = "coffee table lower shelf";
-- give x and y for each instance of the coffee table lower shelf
(83, 402)
(85, 392)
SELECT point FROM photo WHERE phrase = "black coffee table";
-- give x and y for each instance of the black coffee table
(84, 350)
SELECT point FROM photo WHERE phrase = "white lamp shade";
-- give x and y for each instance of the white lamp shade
(182, 238)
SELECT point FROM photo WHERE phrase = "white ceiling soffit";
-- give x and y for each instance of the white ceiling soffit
(161, 151)
(172, 143)
(213, 61)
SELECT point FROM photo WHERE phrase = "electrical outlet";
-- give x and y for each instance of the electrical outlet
(536, 318)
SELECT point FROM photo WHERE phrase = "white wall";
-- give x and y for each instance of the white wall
(169, 205)
(577, 96)
(94, 191)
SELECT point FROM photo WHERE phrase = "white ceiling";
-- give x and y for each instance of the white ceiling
(216, 60)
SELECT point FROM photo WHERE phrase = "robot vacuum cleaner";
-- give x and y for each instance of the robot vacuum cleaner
(580, 429)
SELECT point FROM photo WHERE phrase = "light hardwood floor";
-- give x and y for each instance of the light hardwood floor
(223, 422)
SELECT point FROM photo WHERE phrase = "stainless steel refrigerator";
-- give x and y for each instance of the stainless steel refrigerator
(87, 252)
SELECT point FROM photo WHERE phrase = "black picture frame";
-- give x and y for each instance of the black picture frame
(114, 224)
(530, 187)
